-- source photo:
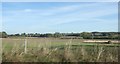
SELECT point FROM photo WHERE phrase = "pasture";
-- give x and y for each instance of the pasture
(57, 50)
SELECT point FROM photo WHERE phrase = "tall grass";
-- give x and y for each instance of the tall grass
(57, 50)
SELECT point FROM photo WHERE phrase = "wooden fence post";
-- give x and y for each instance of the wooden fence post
(25, 49)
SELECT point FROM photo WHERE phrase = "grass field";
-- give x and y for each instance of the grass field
(57, 50)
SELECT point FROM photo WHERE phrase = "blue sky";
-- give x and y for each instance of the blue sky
(49, 17)
(59, 0)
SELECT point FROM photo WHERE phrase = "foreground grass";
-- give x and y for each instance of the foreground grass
(58, 50)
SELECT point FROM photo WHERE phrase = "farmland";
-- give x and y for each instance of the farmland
(57, 50)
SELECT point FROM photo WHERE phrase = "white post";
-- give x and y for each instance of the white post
(25, 50)
(92, 36)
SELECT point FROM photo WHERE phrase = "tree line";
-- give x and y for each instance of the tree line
(84, 35)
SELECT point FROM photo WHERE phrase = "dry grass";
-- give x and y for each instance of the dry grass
(56, 50)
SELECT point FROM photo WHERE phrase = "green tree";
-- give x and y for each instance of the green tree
(23, 34)
(86, 35)
(3, 35)
(57, 34)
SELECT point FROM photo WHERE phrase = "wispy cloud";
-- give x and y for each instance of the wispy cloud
(28, 10)
(82, 15)
(53, 10)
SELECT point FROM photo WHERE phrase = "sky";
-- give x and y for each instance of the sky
(60, 0)
(50, 17)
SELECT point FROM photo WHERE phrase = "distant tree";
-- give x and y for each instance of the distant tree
(3, 35)
(36, 35)
(30, 35)
(23, 34)
(57, 34)
(73, 34)
(86, 35)
(17, 34)
(49, 35)
(0, 34)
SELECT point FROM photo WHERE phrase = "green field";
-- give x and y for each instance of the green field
(57, 50)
